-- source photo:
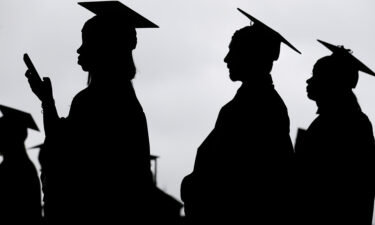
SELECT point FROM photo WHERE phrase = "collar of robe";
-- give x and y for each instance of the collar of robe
(263, 83)
(346, 104)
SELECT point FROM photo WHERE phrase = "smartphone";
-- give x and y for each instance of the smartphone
(33, 73)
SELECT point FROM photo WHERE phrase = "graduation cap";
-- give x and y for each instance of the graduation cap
(154, 158)
(346, 53)
(271, 32)
(18, 118)
(119, 11)
(37, 146)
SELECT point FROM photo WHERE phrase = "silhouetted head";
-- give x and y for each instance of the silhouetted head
(13, 129)
(107, 44)
(253, 50)
(109, 38)
(334, 75)
(11, 133)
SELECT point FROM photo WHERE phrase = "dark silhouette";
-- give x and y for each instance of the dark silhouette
(96, 160)
(299, 138)
(242, 172)
(43, 161)
(20, 200)
(166, 209)
(336, 153)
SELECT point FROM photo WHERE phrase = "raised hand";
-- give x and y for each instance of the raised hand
(43, 90)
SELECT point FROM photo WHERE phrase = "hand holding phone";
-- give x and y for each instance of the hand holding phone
(33, 73)
(41, 88)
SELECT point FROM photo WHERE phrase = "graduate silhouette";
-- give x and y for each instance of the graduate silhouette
(20, 197)
(242, 170)
(337, 153)
(97, 158)
(43, 162)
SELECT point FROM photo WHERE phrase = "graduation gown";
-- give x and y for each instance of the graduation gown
(242, 169)
(97, 159)
(20, 197)
(335, 160)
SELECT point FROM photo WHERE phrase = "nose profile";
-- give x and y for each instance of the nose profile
(79, 49)
(226, 58)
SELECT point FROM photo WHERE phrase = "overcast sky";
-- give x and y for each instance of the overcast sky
(182, 81)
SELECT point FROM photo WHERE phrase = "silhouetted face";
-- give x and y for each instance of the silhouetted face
(87, 57)
(331, 77)
(251, 52)
(318, 85)
(237, 62)
(105, 44)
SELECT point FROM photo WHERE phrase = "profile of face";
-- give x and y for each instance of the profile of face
(105, 43)
(237, 62)
(87, 56)
(251, 52)
(331, 77)
(318, 86)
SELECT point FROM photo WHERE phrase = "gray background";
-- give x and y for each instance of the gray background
(182, 81)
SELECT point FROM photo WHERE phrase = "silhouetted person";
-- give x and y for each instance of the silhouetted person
(43, 161)
(20, 200)
(242, 170)
(336, 156)
(97, 166)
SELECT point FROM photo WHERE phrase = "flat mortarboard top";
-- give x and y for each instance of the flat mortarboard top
(117, 9)
(153, 157)
(18, 117)
(268, 29)
(37, 146)
(340, 50)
